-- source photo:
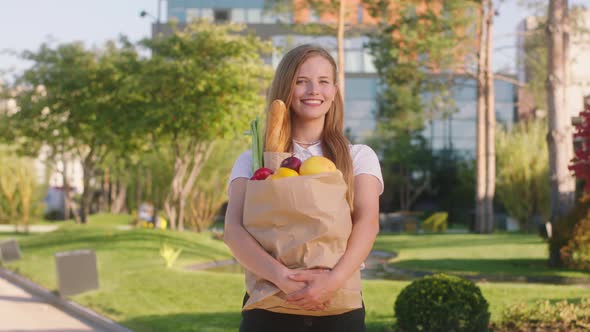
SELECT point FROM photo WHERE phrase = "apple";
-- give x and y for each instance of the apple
(292, 162)
(261, 173)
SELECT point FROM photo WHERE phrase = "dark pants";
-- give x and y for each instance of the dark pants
(259, 320)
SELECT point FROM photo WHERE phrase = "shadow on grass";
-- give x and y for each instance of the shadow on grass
(7, 235)
(379, 323)
(205, 322)
(138, 240)
(575, 300)
(398, 242)
(523, 270)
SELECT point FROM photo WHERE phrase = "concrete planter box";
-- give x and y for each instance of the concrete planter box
(9, 250)
(76, 272)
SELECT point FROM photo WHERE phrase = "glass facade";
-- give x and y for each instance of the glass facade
(457, 131)
(236, 11)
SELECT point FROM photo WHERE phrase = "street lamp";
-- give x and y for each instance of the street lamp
(156, 22)
(144, 13)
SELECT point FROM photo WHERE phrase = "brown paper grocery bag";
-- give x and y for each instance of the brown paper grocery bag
(304, 222)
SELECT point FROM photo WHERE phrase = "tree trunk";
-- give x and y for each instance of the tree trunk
(559, 138)
(104, 192)
(175, 204)
(86, 196)
(340, 41)
(480, 192)
(66, 189)
(119, 199)
(89, 163)
(490, 124)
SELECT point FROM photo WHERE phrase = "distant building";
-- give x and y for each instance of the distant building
(46, 173)
(361, 85)
(579, 59)
(457, 131)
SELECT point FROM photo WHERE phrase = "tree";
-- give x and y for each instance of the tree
(560, 133)
(415, 50)
(78, 102)
(208, 194)
(18, 188)
(201, 83)
(534, 59)
(406, 163)
(320, 7)
(522, 176)
(486, 121)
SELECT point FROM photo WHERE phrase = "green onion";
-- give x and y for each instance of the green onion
(257, 139)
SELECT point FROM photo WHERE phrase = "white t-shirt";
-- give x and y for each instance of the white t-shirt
(364, 161)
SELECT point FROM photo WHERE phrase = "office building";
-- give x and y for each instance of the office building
(361, 85)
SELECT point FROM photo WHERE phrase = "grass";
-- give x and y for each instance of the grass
(140, 293)
(472, 254)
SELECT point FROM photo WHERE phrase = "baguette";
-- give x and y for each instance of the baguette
(276, 118)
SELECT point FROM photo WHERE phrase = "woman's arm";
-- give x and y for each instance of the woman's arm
(246, 249)
(365, 219)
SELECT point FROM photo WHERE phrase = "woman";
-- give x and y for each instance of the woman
(306, 80)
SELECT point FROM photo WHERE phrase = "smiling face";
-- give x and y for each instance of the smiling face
(314, 89)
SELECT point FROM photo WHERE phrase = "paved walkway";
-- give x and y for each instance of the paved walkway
(32, 228)
(22, 312)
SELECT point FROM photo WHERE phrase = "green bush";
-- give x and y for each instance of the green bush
(564, 232)
(546, 316)
(521, 182)
(576, 254)
(442, 303)
(437, 222)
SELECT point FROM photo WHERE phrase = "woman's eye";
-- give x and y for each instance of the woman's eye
(325, 82)
(299, 81)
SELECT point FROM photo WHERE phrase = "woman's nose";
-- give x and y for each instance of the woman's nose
(313, 88)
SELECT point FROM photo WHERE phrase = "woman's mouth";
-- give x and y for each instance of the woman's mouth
(311, 102)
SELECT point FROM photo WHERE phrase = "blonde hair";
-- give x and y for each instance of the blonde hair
(335, 146)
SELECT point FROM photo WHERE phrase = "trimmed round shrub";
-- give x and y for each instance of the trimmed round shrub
(442, 303)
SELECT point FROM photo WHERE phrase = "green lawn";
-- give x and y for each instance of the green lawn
(472, 254)
(137, 291)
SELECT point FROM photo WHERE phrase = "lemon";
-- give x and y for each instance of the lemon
(283, 172)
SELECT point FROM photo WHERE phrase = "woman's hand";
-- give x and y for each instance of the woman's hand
(321, 286)
(287, 285)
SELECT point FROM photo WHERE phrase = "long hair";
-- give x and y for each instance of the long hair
(335, 146)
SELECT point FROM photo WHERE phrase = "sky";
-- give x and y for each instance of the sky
(26, 24)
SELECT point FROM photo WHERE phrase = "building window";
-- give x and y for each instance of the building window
(207, 14)
(254, 15)
(221, 15)
(359, 13)
(269, 18)
(238, 15)
(369, 63)
(192, 14)
(313, 16)
(353, 61)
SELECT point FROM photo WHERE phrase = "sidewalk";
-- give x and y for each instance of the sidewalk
(28, 307)
(22, 312)
(32, 228)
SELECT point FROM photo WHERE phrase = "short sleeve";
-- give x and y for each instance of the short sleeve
(365, 161)
(242, 167)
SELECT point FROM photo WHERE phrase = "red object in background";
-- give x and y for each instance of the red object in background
(580, 164)
(262, 173)
(292, 162)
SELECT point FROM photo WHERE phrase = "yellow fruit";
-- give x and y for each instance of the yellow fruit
(283, 172)
(316, 165)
